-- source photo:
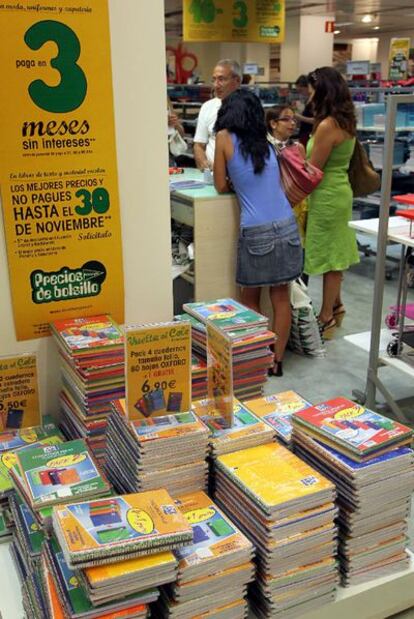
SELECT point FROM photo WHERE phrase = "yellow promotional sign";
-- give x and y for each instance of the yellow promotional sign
(261, 21)
(58, 171)
(19, 396)
(220, 372)
(158, 369)
(398, 58)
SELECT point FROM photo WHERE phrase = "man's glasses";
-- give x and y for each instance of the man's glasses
(221, 79)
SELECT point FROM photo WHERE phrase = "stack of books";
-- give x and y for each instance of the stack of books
(47, 475)
(198, 377)
(90, 564)
(286, 509)
(11, 441)
(276, 410)
(92, 364)
(168, 451)
(106, 557)
(368, 458)
(94, 533)
(73, 600)
(214, 571)
(247, 431)
(250, 338)
(104, 582)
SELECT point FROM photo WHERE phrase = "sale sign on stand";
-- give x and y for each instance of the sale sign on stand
(19, 395)
(157, 369)
(58, 168)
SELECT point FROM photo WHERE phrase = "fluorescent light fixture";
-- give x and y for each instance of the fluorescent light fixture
(367, 19)
(337, 32)
(344, 23)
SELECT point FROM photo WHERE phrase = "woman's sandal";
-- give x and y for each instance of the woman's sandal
(327, 329)
(339, 314)
(276, 369)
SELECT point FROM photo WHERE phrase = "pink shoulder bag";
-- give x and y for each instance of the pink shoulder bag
(299, 177)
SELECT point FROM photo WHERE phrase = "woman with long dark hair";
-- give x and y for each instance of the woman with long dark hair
(330, 246)
(269, 249)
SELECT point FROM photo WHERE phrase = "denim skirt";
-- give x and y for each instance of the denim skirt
(270, 254)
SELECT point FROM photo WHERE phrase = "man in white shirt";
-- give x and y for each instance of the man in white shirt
(226, 79)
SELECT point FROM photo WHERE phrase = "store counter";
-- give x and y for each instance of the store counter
(215, 220)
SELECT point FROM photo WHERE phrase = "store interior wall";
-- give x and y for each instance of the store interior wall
(209, 53)
(139, 84)
(384, 47)
(365, 49)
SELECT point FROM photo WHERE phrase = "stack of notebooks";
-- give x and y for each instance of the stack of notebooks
(250, 336)
(52, 589)
(368, 458)
(276, 410)
(105, 558)
(214, 571)
(247, 431)
(92, 363)
(11, 441)
(286, 508)
(47, 475)
(199, 377)
(161, 452)
(95, 533)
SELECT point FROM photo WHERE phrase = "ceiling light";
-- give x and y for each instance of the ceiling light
(367, 19)
(337, 32)
(376, 28)
(344, 23)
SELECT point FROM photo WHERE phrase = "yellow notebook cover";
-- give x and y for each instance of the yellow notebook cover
(142, 520)
(272, 475)
(283, 402)
(276, 410)
(214, 535)
(102, 573)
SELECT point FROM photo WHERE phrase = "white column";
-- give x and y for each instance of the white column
(141, 123)
(289, 51)
(315, 45)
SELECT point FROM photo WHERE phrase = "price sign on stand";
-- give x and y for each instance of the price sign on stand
(58, 173)
(158, 369)
(220, 372)
(241, 20)
(19, 395)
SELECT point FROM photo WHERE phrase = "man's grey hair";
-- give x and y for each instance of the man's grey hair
(233, 66)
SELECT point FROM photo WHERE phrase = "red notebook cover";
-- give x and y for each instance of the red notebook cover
(351, 425)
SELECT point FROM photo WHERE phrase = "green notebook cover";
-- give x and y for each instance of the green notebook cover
(225, 314)
(8, 458)
(59, 473)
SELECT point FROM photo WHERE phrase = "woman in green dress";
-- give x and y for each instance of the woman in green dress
(330, 246)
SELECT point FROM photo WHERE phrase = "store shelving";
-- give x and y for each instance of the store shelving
(386, 229)
(362, 341)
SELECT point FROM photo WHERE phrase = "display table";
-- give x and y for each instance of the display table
(398, 229)
(215, 220)
(375, 600)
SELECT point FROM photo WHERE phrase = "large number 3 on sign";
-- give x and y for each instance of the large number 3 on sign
(71, 91)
